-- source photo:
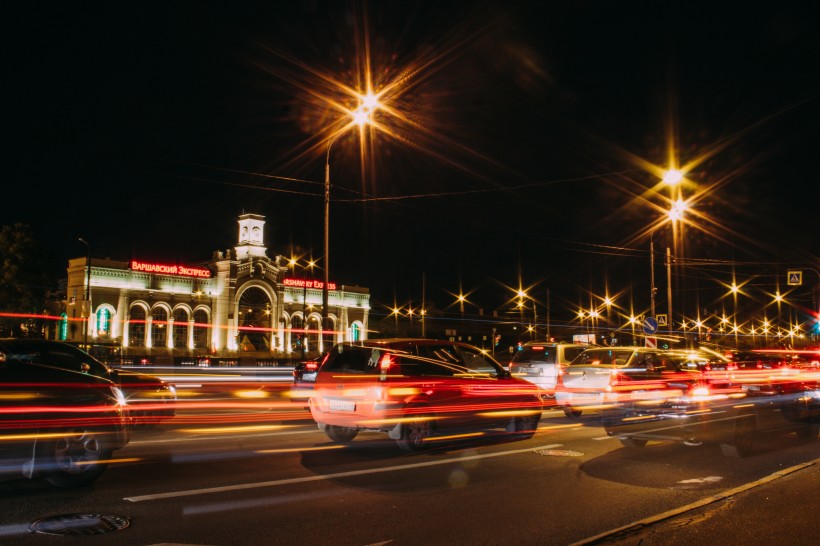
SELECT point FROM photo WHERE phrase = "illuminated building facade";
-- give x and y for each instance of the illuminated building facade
(241, 301)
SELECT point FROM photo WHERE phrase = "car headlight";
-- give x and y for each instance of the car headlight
(173, 391)
(119, 396)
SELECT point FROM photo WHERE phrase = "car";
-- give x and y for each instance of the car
(417, 390)
(304, 377)
(150, 399)
(600, 375)
(730, 409)
(542, 362)
(56, 424)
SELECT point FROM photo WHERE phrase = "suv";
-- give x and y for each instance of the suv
(413, 389)
(541, 363)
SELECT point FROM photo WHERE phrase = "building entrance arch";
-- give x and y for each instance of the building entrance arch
(254, 319)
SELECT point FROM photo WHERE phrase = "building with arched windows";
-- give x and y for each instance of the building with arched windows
(240, 302)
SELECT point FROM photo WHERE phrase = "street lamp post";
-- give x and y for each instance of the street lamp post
(361, 116)
(87, 296)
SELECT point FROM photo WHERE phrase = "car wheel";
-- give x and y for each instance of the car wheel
(415, 434)
(569, 411)
(809, 432)
(340, 434)
(75, 458)
(632, 442)
(525, 426)
(742, 443)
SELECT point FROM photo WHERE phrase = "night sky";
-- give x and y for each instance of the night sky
(520, 141)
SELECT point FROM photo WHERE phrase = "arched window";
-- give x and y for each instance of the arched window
(103, 321)
(201, 326)
(159, 327)
(297, 333)
(314, 332)
(136, 327)
(356, 332)
(62, 327)
(180, 328)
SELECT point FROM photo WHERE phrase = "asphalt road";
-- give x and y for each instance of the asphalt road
(264, 475)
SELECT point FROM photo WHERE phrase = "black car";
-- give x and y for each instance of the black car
(304, 377)
(56, 424)
(149, 398)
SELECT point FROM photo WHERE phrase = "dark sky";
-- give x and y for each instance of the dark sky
(521, 139)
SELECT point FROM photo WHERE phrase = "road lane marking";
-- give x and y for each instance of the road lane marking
(211, 438)
(289, 481)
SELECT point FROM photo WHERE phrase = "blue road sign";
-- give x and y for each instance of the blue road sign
(650, 326)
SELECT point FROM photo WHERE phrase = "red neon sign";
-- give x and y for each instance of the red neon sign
(183, 270)
(307, 283)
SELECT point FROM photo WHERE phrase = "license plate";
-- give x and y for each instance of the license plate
(586, 395)
(531, 371)
(309, 376)
(341, 405)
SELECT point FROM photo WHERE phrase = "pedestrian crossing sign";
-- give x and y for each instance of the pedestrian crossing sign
(662, 320)
(795, 278)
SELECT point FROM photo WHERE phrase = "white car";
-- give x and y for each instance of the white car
(604, 375)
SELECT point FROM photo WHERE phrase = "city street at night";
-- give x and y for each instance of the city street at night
(278, 480)
(371, 273)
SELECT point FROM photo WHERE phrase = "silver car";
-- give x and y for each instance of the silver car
(604, 375)
(542, 362)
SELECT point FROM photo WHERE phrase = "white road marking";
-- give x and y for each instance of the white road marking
(708, 479)
(201, 437)
(289, 481)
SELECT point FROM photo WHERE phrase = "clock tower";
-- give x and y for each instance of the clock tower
(251, 237)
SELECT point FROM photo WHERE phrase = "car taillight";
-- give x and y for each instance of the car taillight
(311, 366)
(385, 363)
(698, 391)
(615, 380)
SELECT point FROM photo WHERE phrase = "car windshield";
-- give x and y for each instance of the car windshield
(535, 353)
(615, 357)
(59, 355)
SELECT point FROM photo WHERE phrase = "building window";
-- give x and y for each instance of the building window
(62, 328)
(159, 327)
(180, 328)
(356, 332)
(200, 329)
(314, 333)
(136, 327)
(103, 322)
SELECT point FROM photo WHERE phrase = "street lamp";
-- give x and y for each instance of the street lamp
(87, 297)
(361, 116)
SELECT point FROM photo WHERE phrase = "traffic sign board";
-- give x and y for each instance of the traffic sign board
(651, 342)
(662, 320)
(794, 277)
(650, 326)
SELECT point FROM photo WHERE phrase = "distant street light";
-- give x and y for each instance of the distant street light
(87, 297)
(672, 177)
